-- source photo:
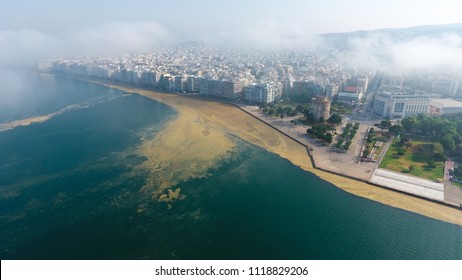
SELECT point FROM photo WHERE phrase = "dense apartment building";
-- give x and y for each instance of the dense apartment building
(444, 87)
(180, 83)
(222, 89)
(263, 93)
(194, 84)
(307, 88)
(231, 90)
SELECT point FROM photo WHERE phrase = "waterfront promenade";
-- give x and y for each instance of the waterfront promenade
(345, 164)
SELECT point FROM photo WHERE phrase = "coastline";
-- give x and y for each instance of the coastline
(222, 120)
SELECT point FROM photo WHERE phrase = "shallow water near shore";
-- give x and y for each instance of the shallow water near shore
(84, 185)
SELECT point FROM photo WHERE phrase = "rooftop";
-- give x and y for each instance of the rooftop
(447, 102)
(400, 90)
(350, 89)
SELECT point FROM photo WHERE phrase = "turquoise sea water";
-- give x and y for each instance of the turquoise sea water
(70, 189)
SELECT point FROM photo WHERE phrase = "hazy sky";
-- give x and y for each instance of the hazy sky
(180, 16)
(31, 29)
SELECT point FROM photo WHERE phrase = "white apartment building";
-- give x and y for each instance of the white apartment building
(399, 102)
(262, 93)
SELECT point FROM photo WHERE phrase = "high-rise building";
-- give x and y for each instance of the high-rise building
(194, 84)
(287, 86)
(180, 83)
(148, 79)
(207, 87)
(262, 93)
(232, 90)
(164, 82)
(221, 89)
(212, 88)
(254, 93)
(217, 88)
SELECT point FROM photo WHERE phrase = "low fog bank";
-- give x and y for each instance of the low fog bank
(425, 48)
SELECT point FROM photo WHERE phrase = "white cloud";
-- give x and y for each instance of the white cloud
(26, 47)
(116, 38)
(20, 47)
(265, 34)
(422, 53)
(429, 53)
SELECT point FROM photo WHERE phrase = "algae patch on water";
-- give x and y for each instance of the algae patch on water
(180, 152)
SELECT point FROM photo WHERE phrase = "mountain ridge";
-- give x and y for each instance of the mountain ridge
(440, 28)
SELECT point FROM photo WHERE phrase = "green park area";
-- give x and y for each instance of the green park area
(374, 137)
(416, 157)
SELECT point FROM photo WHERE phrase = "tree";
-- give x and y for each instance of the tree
(439, 157)
(448, 143)
(335, 119)
(400, 151)
(370, 135)
(396, 129)
(280, 112)
(459, 127)
(321, 120)
(308, 115)
(431, 164)
(300, 108)
(385, 124)
(365, 153)
(328, 138)
(409, 123)
(288, 110)
(404, 140)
